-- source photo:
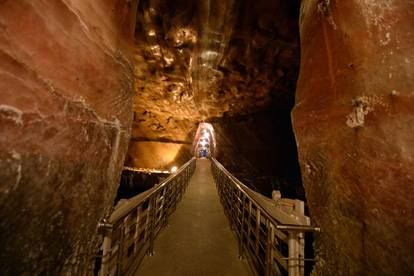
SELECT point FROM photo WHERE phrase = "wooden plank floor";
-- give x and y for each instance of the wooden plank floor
(198, 240)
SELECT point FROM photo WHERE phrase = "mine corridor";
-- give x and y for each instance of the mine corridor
(207, 137)
(198, 238)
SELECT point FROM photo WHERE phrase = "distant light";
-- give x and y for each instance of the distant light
(173, 169)
(209, 55)
(206, 135)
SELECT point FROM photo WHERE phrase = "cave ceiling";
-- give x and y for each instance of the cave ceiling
(196, 60)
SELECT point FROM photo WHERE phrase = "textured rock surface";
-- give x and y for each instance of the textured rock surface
(198, 60)
(158, 155)
(354, 123)
(65, 113)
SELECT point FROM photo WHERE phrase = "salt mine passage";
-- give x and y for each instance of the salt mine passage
(207, 137)
(198, 239)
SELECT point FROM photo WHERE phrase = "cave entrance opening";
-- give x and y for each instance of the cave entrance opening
(204, 144)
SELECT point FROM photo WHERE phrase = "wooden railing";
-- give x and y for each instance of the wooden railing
(130, 231)
(270, 232)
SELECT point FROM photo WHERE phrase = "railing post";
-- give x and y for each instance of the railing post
(257, 230)
(232, 206)
(120, 251)
(300, 208)
(293, 262)
(165, 210)
(269, 248)
(241, 237)
(249, 222)
(152, 224)
(106, 252)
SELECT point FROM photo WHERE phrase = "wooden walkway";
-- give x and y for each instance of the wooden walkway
(198, 240)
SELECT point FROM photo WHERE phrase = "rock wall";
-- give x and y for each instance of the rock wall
(260, 150)
(158, 155)
(199, 60)
(354, 124)
(65, 114)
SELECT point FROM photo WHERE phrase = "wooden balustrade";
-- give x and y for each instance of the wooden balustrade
(270, 232)
(130, 231)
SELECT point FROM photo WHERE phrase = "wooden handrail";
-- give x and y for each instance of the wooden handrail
(125, 208)
(262, 227)
(130, 231)
(280, 216)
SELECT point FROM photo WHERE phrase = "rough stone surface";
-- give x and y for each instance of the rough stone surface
(354, 122)
(65, 114)
(202, 60)
(158, 155)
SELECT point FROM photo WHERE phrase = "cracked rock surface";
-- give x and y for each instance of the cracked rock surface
(65, 114)
(79, 78)
(354, 124)
(199, 60)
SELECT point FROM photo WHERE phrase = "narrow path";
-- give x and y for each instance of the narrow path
(198, 240)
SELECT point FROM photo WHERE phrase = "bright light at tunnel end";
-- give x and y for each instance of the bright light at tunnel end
(204, 141)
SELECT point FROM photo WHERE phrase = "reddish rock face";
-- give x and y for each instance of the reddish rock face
(65, 114)
(354, 124)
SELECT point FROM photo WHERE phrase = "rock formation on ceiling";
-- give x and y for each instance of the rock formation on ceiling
(354, 123)
(198, 60)
(65, 116)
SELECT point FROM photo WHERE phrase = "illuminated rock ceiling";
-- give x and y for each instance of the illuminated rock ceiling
(66, 78)
(201, 59)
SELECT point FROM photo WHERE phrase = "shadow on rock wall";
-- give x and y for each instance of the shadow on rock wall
(260, 149)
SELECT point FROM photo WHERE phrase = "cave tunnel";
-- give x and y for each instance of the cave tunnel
(306, 105)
